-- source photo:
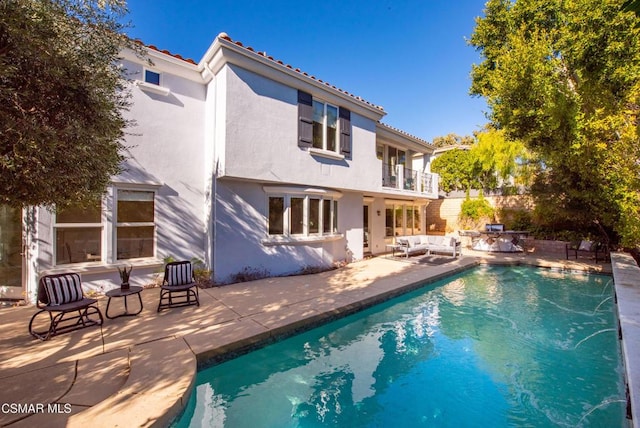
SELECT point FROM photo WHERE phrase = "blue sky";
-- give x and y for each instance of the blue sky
(409, 56)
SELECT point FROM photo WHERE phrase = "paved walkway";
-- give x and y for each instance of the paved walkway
(139, 371)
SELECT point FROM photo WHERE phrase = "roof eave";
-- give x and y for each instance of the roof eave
(414, 143)
(224, 51)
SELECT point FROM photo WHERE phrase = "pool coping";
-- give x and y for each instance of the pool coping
(148, 383)
(626, 279)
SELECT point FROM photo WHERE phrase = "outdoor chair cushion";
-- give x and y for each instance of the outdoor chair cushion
(63, 289)
(585, 246)
(413, 241)
(179, 274)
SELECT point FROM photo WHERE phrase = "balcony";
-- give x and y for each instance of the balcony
(409, 180)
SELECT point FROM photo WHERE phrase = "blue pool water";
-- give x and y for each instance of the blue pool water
(491, 347)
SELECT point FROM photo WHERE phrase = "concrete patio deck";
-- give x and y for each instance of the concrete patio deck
(139, 371)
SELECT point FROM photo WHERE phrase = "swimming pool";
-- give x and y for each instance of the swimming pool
(493, 346)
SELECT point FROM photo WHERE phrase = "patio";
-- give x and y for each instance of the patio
(138, 371)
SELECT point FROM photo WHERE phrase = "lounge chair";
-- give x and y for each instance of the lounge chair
(61, 295)
(585, 247)
(178, 286)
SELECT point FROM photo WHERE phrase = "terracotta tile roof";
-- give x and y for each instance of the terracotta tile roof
(166, 52)
(400, 131)
(226, 37)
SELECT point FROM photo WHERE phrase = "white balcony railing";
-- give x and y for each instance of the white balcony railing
(405, 179)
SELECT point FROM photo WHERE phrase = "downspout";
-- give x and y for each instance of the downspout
(214, 187)
(29, 252)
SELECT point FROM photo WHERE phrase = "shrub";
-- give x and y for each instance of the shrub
(476, 209)
(516, 219)
(249, 274)
(475, 213)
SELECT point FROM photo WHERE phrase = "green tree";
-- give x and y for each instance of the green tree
(563, 77)
(487, 163)
(61, 99)
(498, 160)
(474, 213)
(452, 140)
(456, 170)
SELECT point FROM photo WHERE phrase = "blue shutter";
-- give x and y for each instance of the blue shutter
(305, 119)
(345, 132)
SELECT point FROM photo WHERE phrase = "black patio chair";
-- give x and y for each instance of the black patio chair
(178, 286)
(62, 298)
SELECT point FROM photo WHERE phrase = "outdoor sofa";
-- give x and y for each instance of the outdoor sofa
(420, 244)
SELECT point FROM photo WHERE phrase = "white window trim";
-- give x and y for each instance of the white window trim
(150, 87)
(287, 238)
(55, 225)
(116, 224)
(299, 239)
(324, 151)
(405, 205)
(144, 76)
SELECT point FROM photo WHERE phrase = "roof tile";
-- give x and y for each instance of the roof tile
(166, 52)
(224, 36)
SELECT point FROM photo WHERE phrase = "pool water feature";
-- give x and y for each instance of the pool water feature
(492, 346)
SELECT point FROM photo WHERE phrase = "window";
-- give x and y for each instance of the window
(396, 157)
(302, 215)
(314, 216)
(388, 221)
(135, 224)
(78, 234)
(276, 215)
(325, 126)
(394, 166)
(152, 77)
(402, 219)
(417, 222)
(410, 221)
(399, 229)
(326, 216)
(151, 82)
(296, 220)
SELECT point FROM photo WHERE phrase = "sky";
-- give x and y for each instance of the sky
(409, 56)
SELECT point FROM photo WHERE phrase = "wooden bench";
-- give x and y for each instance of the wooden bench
(62, 298)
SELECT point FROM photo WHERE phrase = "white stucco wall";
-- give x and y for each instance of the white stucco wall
(169, 143)
(262, 139)
(207, 147)
(166, 150)
(241, 229)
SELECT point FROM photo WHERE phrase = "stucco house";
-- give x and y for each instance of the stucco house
(239, 160)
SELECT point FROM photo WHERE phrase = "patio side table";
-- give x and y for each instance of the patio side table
(117, 292)
(393, 248)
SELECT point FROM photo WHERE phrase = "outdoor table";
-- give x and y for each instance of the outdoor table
(118, 292)
(393, 248)
(507, 241)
